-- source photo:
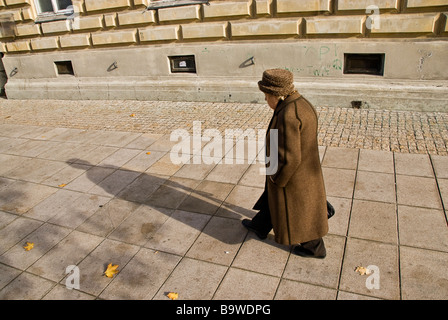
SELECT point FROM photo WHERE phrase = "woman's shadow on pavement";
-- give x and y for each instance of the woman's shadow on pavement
(151, 200)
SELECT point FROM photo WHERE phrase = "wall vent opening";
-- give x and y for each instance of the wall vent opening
(64, 67)
(364, 63)
(182, 64)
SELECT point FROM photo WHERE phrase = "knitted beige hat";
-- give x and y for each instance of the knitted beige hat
(278, 82)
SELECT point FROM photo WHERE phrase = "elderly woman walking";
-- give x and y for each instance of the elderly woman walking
(294, 200)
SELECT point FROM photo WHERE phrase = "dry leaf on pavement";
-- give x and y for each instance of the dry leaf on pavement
(362, 270)
(29, 246)
(173, 295)
(111, 270)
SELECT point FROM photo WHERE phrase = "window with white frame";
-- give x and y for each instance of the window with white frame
(53, 7)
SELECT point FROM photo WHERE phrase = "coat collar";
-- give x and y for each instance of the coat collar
(292, 97)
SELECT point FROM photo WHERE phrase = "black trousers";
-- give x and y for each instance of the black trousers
(262, 220)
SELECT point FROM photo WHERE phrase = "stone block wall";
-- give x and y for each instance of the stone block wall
(100, 23)
(232, 41)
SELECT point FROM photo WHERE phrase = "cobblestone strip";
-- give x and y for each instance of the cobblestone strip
(399, 131)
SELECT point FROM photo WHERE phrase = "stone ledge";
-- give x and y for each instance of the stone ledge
(385, 95)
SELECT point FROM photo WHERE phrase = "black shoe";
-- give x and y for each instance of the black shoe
(303, 252)
(311, 249)
(248, 224)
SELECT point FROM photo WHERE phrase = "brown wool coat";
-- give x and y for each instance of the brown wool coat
(296, 192)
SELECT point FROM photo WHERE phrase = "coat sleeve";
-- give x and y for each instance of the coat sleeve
(289, 147)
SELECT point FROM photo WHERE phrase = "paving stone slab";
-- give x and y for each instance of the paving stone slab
(189, 282)
(141, 224)
(375, 186)
(207, 197)
(44, 238)
(61, 292)
(178, 232)
(372, 220)
(219, 241)
(264, 256)
(70, 251)
(418, 191)
(246, 285)
(339, 182)
(341, 158)
(26, 287)
(142, 277)
(240, 202)
(423, 274)
(322, 272)
(338, 224)
(8, 274)
(293, 290)
(179, 222)
(92, 279)
(366, 253)
(423, 228)
(413, 165)
(376, 161)
(16, 231)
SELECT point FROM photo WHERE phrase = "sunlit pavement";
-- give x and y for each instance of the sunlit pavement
(89, 195)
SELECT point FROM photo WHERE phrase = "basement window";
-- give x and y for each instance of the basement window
(364, 63)
(182, 64)
(64, 67)
(51, 10)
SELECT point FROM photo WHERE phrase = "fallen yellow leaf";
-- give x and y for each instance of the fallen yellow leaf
(111, 270)
(362, 271)
(29, 246)
(173, 295)
(62, 185)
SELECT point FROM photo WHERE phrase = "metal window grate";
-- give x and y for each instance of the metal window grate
(364, 63)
